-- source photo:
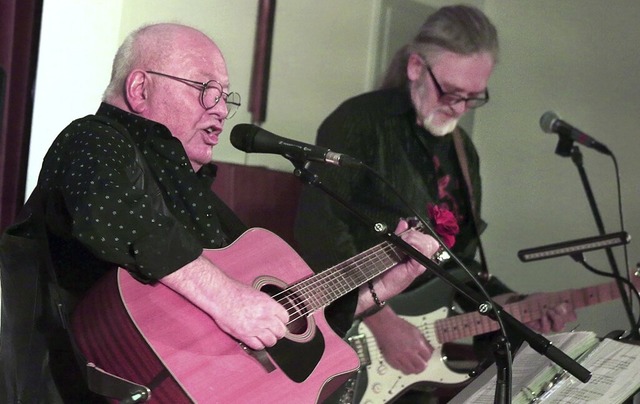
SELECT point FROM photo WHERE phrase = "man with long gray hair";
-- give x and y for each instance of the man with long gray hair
(408, 132)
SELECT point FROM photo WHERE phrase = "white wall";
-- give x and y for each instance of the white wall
(577, 57)
(320, 56)
(77, 43)
(580, 59)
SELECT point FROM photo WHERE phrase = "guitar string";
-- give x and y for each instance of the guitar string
(350, 271)
(356, 271)
(381, 253)
(342, 270)
(449, 329)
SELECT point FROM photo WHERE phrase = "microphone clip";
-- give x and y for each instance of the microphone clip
(564, 146)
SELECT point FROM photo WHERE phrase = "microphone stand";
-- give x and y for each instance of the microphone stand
(489, 308)
(576, 157)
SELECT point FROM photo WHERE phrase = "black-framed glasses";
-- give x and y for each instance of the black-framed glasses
(210, 93)
(451, 99)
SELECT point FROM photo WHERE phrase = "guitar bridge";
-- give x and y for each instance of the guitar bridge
(359, 344)
(261, 356)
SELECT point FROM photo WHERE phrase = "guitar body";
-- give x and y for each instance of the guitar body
(385, 382)
(377, 382)
(153, 336)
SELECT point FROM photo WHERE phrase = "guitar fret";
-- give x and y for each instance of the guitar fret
(527, 310)
(323, 288)
(437, 330)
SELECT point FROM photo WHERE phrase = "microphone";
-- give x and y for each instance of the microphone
(253, 139)
(551, 123)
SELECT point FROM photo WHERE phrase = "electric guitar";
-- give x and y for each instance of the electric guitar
(150, 335)
(378, 382)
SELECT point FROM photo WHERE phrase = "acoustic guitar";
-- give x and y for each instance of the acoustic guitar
(150, 335)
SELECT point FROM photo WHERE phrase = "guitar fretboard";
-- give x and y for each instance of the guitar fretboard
(321, 289)
(529, 309)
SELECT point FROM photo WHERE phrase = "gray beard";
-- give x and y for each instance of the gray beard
(439, 130)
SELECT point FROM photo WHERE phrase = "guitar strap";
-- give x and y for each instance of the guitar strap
(477, 224)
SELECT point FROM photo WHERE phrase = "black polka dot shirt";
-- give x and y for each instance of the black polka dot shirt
(98, 212)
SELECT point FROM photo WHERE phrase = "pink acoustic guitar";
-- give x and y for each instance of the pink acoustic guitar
(151, 335)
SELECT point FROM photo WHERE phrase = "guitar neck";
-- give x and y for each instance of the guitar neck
(529, 309)
(327, 286)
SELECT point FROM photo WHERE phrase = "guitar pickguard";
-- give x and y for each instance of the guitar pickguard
(384, 382)
(298, 353)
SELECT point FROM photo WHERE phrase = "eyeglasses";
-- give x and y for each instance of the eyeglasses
(451, 99)
(210, 93)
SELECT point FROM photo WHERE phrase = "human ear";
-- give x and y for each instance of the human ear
(136, 88)
(414, 66)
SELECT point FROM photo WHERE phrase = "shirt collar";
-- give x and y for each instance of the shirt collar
(399, 101)
(138, 126)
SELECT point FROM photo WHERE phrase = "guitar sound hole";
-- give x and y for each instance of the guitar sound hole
(295, 306)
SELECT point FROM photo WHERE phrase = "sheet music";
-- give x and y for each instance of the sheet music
(614, 366)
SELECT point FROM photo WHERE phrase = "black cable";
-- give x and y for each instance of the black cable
(475, 280)
(580, 259)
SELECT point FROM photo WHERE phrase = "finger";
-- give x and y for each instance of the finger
(283, 315)
(417, 365)
(407, 370)
(268, 339)
(546, 323)
(534, 325)
(405, 367)
(254, 343)
(560, 316)
(401, 226)
(568, 313)
(279, 330)
(556, 320)
(424, 352)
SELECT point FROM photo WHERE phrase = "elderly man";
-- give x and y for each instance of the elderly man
(130, 187)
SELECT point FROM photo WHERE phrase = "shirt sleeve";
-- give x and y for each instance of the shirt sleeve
(110, 214)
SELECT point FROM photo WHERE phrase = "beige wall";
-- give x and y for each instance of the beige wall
(577, 57)
(581, 59)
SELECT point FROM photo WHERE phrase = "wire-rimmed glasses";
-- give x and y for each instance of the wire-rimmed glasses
(210, 93)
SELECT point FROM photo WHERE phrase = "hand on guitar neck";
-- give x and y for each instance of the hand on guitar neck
(405, 347)
(394, 281)
(552, 320)
(392, 354)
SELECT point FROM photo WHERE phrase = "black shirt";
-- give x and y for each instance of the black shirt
(380, 129)
(100, 217)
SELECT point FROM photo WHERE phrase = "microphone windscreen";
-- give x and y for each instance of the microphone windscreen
(546, 121)
(242, 136)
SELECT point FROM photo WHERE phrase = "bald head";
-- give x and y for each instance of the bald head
(161, 73)
(154, 47)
